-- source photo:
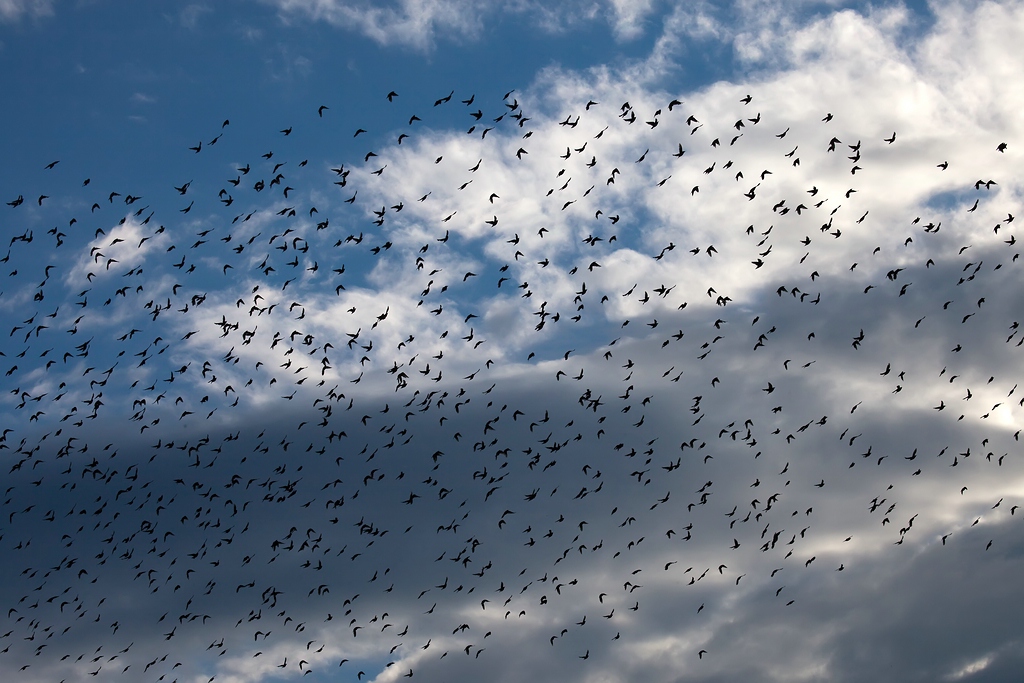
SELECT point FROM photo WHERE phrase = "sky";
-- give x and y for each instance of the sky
(589, 341)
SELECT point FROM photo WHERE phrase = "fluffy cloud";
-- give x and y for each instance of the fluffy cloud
(849, 415)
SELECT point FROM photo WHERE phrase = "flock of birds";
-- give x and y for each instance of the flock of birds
(220, 439)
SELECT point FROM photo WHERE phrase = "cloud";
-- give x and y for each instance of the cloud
(126, 243)
(13, 10)
(409, 22)
(191, 14)
(812, 479)
(419, 23)
(248, 32)
(629, 17)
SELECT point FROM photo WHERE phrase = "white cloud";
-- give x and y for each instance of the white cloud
(419, 23)
(846, 63)
(408, 22)
(191, 14)
(629, 17)
(124, 246)
(970, 669)
(849, 418)
(13, 10)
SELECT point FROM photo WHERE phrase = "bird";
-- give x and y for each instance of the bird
(234, 442)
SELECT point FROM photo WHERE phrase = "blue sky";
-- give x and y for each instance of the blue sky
(625, 341)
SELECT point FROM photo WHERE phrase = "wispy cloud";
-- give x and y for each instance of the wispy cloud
(192, 14)
(13, 10)
(421, 23)
(415, 23)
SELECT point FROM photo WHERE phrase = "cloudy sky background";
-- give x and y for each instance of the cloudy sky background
(644, 382)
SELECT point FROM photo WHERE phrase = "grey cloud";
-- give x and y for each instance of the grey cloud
(560, 483)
